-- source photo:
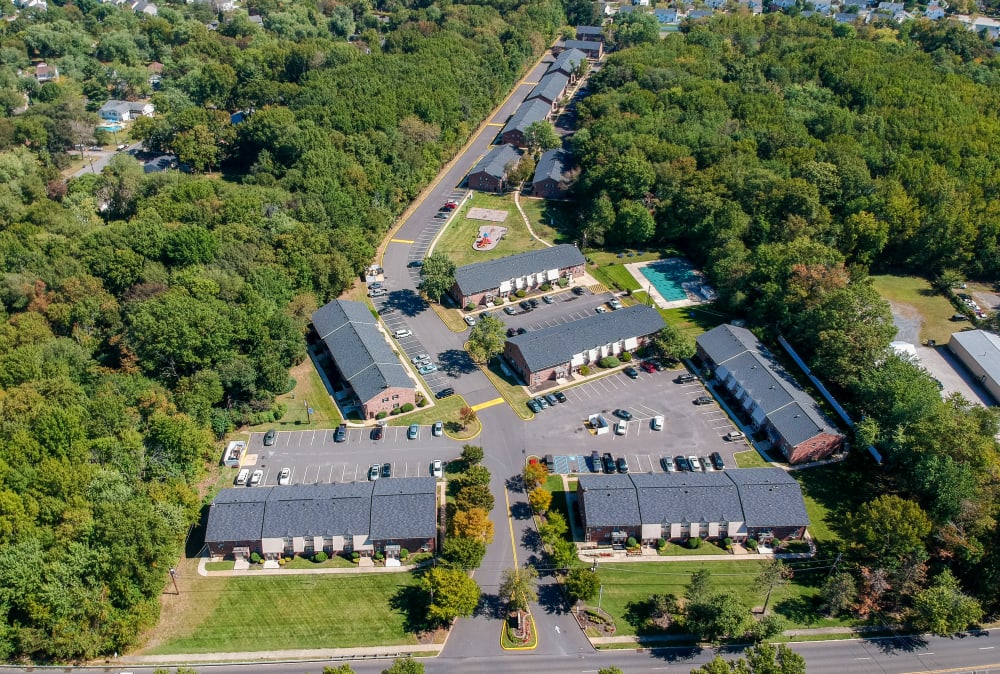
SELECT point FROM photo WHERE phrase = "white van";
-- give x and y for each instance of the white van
(378, 292)
(400, 334)
(242, 478)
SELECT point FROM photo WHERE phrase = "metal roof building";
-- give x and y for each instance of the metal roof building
(979, 351)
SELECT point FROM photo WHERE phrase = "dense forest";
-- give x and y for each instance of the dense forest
(790, 157)
(146, 314)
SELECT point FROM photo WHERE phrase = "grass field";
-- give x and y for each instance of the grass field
(934, 308)
(628, 586)
(551, 220)
(334, 562)
(692, 321)
(446, 410)
(510, 389)
(460, 234)
(309, 388)
(750, 459)
(614, 276)
(828, 493)
(275, 612)
(220, 566)
(706, 548)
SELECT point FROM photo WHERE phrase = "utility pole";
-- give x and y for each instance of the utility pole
(600, 596)
(836, 562)
(173, 577)
(309, 412)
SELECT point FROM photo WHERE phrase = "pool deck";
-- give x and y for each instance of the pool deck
(635, 268)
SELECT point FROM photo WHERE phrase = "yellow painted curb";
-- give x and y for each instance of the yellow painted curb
(488, 403)
(401, 241)
(534, 631)
(493, 124)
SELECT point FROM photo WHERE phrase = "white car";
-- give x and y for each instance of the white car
(469, 320)
(615, 304)
(621, 426)
(400, 334)
(734, 435)
(419, 359)
(656, 423)
(257, 476)
(437, 429)
(285, 476)
(437, 468)
(695, 463)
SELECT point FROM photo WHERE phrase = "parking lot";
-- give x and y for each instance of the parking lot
(687, 428)
(567, 307)
(314, 457)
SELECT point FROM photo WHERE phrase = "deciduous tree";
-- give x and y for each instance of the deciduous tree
(437, 276)
(452, 593)
(582, 584)
(540, 499)
(473, 523)
(943, 608)
(519, 587)
(486, 339)
(534, 474)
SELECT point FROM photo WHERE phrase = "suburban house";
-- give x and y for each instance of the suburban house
(481, 282)
(363, 357)
(774, 401)
(759, 503)
(590, 33)
(526, 114)
(550, 89)
(490, 174)
(700, 14)
(46, 73)
(363, 517)
(143, 7)
(934, 11)
(40, 5)
(123, 111)
(568, 63)
(592, 48)
(559, 351)
(666, 17)
(979, 351)
(551, 180)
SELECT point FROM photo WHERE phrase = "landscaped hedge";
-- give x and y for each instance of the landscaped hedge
(584, 370)
(408, 407)
(626, 357)
(320, 557)
(609, 361)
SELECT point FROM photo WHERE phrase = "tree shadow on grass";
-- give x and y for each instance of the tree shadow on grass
(800, 610)
(411, 601)
(638, 614)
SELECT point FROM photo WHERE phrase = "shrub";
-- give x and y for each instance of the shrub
(355, 556)
(320, 557)
(379, 556)
(563, 281)
(584, 370)
(395, 411)
(728, 543)
(254, 558)
(694, 543)
(545, 287)
(287, 559)
(631, 542)
(470, 307)
(520, 293)
(661, 544)
(382, 415)
(421, 403)
(403, 554)
(609, 361)
(626, 357)
(282, 561)
(497, 301)
(408, 407)
(752, 544)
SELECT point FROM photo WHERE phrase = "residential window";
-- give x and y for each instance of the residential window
(385, 400)
(395, 397)
(395, 405)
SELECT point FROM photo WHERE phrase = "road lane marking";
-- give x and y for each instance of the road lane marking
(494, 124)
(488, 403)
(401, 241)
(510, 525)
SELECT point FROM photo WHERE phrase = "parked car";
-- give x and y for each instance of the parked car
(622, 465)
(437, 468)
(682, 463)
(509, 310)
(525, 304)
(378, 292)
(340, 435)
(469, 320)
(706, 464)
(668, 464)
(285, 476)
(521, 331)
(703, 400)
(270, 437)
(385, 311)
(959, 317)
(441, 216)
(444, 393)
(733, 435)
(386, 470)
(631, 373)
(256, 477)
(560, 396)
(533, 303)
(601, 310)
(595, 462)
(609, 462)
(511, 332)
(547, 299)
(647, 366)
(427, 369)
(621, 427)
(623, 414)
(717, 461)
(694, 462)
(579, 290)
(242, 477)
(615, 304)
(402, 333)
(685, 378)
(420, 358)
(412, 264)
(656, 423)
(374, 471)
(375, 286)
(377, 433)
(450, 205)
(551, 399)
(413, 432)
(437, 430)
(534, 406)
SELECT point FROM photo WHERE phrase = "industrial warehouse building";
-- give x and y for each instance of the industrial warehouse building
(979, 351)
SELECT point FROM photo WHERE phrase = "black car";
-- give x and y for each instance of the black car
(521, 331)
(717, 461)
(578, 290)
(340, 435)
(526, 305)
(560, 396)
(609, 463)
(415, 263)
(595, 462)
(534, 406)
(444, 393)
(682, 463)
(533, 302)
(386, 470)
(270, 437)
(631, 373)
(623, 414)
(511, 332)
(377, 433)
(551, 399)
(703, 400)
(685, 378)
(622, 465)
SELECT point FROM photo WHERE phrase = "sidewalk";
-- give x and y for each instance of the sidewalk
(690, 638)
(367, 652)
(202, 571)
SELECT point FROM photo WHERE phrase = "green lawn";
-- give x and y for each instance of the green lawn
(706, 548)
(273, 612)
(460, 234)
(220, 566)
(829, 495)
(750, 459)
(335, 562)
(309, 388)
(551, 220)
(615, 276)
(627, 586)
(693, 321)
(446, 410)
(515, 394)
(934, 308)
(554, 484)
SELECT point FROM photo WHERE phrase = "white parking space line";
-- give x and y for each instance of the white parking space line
(343, 474)
(312, 441)
(329, 479)
(288, 439)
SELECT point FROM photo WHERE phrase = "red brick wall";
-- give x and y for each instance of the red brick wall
(548, 189)
(514, 137)
(375, 405)
(814, 449)
(484, 182)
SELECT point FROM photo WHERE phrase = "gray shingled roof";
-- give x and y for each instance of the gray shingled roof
(687, 497)
(568, 61)
(552, 165)
(984, 348)
(770, 497)
(404, 508)
(497, 161)
(359, 348)
(552, 346)
(480, 276)
(789, 409)
(236, 515)
(609, 501)
(527, 114)
(550, 87)
(582, 45)
(589, 31)
(318, 510)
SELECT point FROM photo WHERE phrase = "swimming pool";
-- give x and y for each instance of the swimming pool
(669, 277)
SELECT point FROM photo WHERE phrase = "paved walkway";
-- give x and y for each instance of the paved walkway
(527, 223)
(689, 638)
(373, 652)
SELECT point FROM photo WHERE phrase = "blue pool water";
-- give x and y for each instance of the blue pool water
(669, 277)
(111, 126)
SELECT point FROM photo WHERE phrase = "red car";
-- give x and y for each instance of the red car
(450, 205)
(647, 366)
